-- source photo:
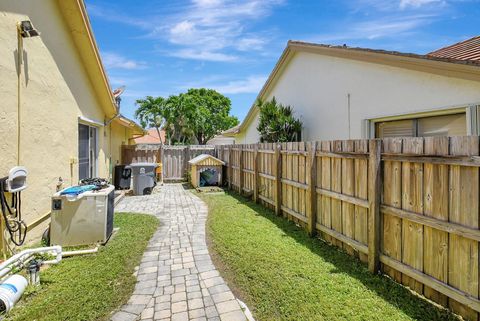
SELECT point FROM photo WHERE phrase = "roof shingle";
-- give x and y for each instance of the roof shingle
(464, 50)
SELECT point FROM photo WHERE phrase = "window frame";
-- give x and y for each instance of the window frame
(472, 113)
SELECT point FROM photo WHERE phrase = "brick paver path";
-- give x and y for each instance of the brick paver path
(176, 278)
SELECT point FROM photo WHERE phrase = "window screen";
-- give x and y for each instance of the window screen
(447, 125)
(398, 128)
(83, 151)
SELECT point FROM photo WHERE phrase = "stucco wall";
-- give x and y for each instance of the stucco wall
(317, 87)
(55, 91)
(120, 136)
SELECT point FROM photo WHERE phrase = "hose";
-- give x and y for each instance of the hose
(13, 219)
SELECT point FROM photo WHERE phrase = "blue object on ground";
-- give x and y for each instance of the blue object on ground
(76, 190)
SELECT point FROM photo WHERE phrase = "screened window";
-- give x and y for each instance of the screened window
(87, 151)
(446, 125)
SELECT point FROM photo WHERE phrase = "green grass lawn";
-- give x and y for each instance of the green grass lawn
(282, 274)
(90, 287)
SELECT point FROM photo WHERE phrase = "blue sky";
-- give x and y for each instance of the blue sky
(162, 47)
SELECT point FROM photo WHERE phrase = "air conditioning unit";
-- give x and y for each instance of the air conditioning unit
(82, 219)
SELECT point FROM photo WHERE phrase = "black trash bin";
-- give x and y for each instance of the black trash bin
(122, 177)
(143, 178)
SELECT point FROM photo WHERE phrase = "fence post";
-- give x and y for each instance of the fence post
(186, 158)
(240, 170)
(278, 179)
(374, 192)
(312, 192)
(229, 171)
(162, 164)
(256, 178)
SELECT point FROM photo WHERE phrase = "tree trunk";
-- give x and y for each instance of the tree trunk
(159, 137)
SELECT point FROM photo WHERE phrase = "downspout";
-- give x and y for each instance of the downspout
(349, 121)
(19, 86)
(108, 123)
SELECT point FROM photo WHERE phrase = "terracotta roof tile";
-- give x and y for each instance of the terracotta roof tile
(465, 50)
(151, 137)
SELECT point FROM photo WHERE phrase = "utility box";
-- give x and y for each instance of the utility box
(206, 170)
(82, 219)
(143, 178)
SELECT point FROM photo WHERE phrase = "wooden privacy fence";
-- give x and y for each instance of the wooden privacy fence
(175, 160)
(142, 153)
(407, 206)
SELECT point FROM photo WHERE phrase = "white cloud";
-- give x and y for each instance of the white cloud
(207, 3)
(206, 29)
(112, 60)
(390, 27)
(377, 28)
(250, 43)
(203, 55)
(182, 28)
(213, 28)
(251, 85)
(418, 3)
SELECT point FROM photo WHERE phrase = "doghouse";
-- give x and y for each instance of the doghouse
(206, 170)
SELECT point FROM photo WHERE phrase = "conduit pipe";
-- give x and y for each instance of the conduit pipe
(21, 257)
(80, 252)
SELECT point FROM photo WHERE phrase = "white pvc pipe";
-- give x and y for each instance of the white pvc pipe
(80, 252)
(5, 267)
(17, 264)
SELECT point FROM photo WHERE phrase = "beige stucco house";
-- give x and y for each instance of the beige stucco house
(58, 115)
(340, 92)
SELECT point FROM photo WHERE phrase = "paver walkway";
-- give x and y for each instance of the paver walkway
(176, 278)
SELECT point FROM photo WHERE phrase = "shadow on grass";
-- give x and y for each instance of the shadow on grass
(415, 306)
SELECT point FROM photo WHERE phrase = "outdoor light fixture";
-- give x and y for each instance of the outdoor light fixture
(27, 30)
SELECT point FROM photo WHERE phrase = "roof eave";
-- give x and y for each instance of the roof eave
(76, 18)
(457, 69)
(264, 91)
(126, 122)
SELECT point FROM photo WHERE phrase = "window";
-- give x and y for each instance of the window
(87, 151)
(446, 125)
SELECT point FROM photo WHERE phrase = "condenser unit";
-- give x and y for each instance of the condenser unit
(82, 219)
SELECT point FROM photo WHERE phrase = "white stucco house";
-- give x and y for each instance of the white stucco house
(339, 92)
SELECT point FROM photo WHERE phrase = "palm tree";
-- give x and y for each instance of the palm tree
(150, 113)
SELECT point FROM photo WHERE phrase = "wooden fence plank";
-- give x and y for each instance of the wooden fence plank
(337, 187)
(436, 206)
(361, 191)
(230, 170)
(302, 173)
(470, 302)
(412, 200)
(295, 177)
(311, 195)
(278, 180)
(348, 188)
(392, 196)
(256, 177)
(241, 178)
(362, 248)
(463, 209)
(326, 184)
(374, 193)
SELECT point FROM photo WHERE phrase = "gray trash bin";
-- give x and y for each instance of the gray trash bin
(143, 178)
